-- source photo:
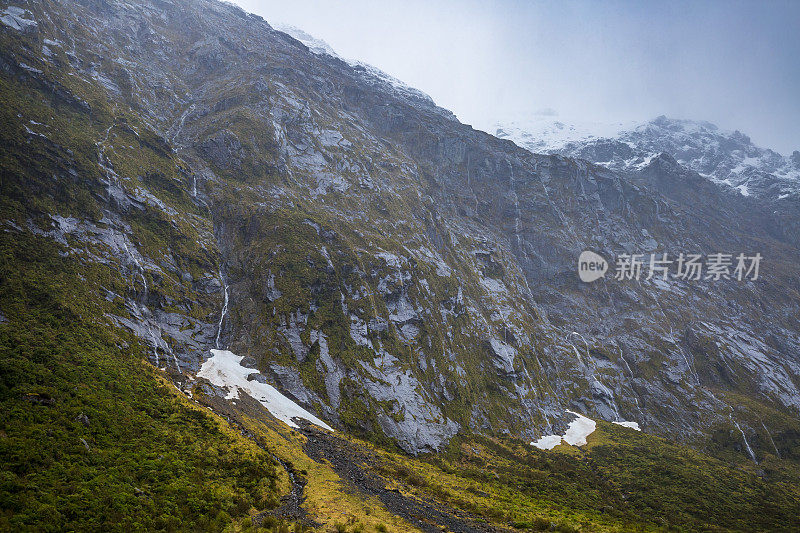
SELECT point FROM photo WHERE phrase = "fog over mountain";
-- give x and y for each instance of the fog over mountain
(730, 63)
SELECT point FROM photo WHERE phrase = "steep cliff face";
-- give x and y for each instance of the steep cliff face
(400, 274)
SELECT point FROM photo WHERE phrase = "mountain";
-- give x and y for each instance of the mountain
(211, 232)
(369, 73)
(727, 158)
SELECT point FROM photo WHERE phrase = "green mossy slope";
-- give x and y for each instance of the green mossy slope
(91, 438)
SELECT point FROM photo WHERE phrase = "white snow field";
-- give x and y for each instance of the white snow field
(579, 429)
(548, 442)
(223, 369)
(632, 425)
(576, 433)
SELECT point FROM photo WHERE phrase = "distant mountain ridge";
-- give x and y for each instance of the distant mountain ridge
(727, 158)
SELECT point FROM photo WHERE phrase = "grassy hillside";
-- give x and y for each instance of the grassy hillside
(622, 480)
(91, 437)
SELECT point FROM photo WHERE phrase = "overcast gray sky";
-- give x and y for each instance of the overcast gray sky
(734, 63)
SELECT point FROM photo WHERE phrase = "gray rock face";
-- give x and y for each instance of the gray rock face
(416, 424)
(395, 270)
(223, 150)
(18, 19)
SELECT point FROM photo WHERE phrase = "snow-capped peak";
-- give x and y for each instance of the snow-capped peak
(317, 46)
(370, 73)
(728, 158)
(546, 131)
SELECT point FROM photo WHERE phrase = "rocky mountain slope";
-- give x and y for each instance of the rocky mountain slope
(199, 180)
(729, 159)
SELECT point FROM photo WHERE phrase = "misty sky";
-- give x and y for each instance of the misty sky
(736, 64)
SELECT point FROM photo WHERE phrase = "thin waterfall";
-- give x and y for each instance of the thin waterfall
(224, 308)
(744, 438)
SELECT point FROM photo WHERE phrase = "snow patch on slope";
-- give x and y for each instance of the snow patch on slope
(579, 429)
(548, 442)
(224, 369)
(577, 432)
